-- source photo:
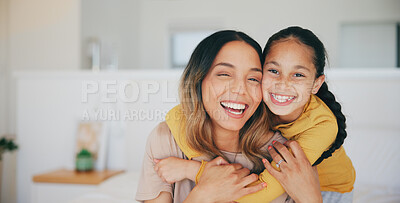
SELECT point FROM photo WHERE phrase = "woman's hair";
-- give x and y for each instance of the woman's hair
(309, 39)
(199, 131)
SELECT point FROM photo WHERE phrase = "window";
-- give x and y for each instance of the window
(369, 45)
(183, 44)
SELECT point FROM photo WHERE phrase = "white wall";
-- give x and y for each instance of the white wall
(44, 34)
(116, 24)
(50, 106)
(41, 35)
(8, 183)
(258, 18)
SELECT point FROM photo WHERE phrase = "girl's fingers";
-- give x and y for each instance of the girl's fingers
(156, 160)
(283, 151)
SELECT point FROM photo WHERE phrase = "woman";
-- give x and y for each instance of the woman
(220, 95)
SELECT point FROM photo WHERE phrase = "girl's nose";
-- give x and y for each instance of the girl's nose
(283, 83)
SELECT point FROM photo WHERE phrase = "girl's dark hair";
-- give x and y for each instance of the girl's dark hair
(311, 40)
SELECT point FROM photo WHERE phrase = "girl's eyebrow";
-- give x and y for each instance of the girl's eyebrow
(302, 67)
(272, 62)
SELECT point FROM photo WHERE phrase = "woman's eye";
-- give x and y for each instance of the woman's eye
(255, 80)
(273, 71)
(223, 74)
(299, 75)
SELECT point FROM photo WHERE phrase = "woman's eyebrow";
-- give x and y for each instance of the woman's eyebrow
(232, 66)
(257, 70)
(225, 64)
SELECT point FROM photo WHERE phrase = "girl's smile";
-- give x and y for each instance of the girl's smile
(289, 78)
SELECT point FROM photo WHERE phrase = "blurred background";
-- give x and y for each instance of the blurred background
(49, 47)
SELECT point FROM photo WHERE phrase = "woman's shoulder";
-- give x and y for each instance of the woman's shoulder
(161, 142)
(274, 136)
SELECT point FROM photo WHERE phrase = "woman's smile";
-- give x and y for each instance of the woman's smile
(231, 90)
(234, 109)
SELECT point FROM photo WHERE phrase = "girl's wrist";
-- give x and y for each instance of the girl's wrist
(192, 167)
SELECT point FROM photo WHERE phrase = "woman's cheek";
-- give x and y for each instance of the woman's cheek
(256, 93)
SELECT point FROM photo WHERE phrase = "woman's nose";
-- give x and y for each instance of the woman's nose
(238, 87)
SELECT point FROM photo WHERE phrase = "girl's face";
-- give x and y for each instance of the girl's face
(289, 79)
(231, 90)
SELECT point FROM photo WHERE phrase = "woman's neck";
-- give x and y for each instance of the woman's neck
(226, 140)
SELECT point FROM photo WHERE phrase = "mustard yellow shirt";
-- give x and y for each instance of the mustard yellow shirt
(315, 130)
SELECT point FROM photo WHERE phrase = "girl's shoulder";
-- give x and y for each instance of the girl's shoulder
(318, 112)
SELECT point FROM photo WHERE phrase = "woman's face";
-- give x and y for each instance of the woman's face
(289, 78)
(231, 90)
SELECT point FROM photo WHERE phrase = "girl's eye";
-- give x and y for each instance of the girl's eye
(299, 75)
(273, 71)
(223, 74)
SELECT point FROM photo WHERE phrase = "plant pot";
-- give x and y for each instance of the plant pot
(84, 163)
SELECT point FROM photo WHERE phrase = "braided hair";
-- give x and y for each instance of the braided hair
(311, 40)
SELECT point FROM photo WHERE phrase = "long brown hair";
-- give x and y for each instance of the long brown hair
(254, 134)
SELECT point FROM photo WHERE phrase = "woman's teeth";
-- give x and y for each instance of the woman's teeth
(234, 108)
(282, 99)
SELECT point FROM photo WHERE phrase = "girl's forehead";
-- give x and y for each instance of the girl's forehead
(291, 48)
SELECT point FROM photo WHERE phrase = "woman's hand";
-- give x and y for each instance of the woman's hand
(173, 169)
(223, 182)
(296, 175)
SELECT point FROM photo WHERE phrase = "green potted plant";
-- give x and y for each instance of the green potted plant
(6, 145)
(84, 160)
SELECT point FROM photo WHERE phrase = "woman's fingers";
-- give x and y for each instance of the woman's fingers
(285, 153)
(270, 169)
(243, 172)
(253, 189)
(248, 180)
(276, 157)
(296, 149)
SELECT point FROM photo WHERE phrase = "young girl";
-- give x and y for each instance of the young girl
(304, 110)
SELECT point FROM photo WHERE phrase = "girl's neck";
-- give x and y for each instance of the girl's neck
(290, 117)
(226, 140)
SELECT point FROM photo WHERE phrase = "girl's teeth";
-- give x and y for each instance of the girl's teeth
(282, 99)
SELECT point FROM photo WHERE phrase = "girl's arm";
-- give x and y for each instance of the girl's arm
(173, 169)
(163, 197)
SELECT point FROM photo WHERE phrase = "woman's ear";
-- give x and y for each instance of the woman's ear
(317, 84)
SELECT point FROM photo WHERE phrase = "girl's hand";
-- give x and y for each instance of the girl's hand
(297, 176)
(223, 182)
(173, 169)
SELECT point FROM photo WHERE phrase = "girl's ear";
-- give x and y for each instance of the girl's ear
(317, 84)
